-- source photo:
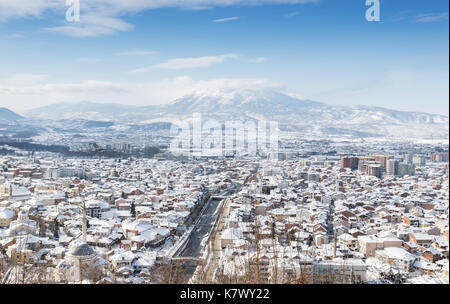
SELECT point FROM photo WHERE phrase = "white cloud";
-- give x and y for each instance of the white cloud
(93, 25)
(25, 8)
(257, 60)
(226, 19)
(137, 53)
(20, 96)
(16, 36)
(426, 18)
(139, 5)
(292, 14)
(25, 79)
(188, 63)
(103, 17)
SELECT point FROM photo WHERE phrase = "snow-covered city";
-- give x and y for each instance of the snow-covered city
(333, 219)
(217, 151)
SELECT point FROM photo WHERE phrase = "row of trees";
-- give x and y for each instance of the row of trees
(147, 152)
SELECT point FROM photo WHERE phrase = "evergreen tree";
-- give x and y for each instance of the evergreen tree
(310, 240)
(55, 229)
(42, 227)
(133, 210)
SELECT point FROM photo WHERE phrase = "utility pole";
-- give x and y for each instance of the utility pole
(334, 249)
(1, 267)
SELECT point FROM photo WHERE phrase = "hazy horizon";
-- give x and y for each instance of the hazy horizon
(25, 111)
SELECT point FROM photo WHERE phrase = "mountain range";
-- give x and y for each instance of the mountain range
(293, 114)
(8, 115)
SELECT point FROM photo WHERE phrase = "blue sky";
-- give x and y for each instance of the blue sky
(149, 52)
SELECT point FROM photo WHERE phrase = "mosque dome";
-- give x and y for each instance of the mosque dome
(81, 249)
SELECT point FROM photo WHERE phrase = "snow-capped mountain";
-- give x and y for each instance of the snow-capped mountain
(310, 116)
(263, 102)
(8, 115)
(293, 114)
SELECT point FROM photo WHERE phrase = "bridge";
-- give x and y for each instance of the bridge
(219, 197)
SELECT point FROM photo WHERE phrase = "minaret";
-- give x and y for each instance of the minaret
(10, 192)
(84, 223)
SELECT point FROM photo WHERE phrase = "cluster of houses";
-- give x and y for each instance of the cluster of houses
(288, 218)
(293, 217)
(135, 210)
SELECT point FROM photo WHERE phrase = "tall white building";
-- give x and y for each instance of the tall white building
(392, 167)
